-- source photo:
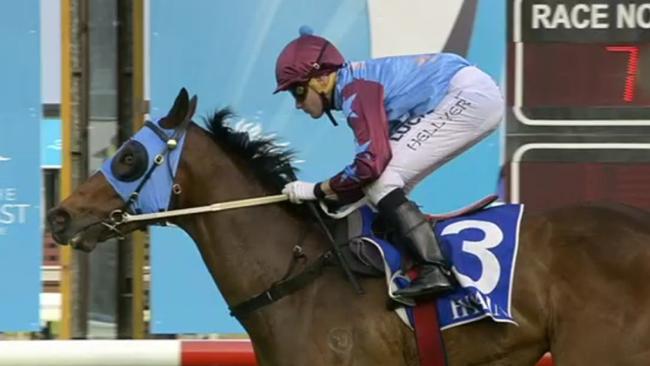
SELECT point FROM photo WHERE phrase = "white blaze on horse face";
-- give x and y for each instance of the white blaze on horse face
(491, 270)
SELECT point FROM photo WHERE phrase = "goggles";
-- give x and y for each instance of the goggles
(299, 92)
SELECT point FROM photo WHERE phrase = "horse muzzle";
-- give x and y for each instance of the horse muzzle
(59, 221)
(66, 231)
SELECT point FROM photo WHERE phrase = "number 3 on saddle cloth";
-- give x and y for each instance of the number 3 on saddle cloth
(481, 246)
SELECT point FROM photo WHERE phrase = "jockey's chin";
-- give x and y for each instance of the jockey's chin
(316, 114)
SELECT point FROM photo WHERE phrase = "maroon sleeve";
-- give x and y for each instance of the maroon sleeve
(363, 106)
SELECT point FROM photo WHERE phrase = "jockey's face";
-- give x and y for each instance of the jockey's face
(309, 102)
(308, 99)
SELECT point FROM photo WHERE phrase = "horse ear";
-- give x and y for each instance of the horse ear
(193, 102)
(178, 111)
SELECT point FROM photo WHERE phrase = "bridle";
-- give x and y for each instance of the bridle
(287, 285)
(120, 216)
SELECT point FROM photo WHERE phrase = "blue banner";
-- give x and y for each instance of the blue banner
(190, 302)
(20, 176)
(51, 144)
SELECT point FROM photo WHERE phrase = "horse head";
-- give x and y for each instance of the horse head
(139, 178)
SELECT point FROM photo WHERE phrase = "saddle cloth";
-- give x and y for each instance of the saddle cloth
(481, 247)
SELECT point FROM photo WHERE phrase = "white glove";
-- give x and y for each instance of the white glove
(299, 191)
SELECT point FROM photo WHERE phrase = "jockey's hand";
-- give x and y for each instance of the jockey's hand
(299, 191)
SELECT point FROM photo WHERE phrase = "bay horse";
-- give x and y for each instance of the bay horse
(580, 291)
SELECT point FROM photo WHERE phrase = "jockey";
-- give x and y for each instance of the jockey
(409, 115)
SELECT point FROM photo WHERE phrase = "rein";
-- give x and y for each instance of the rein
(119, 217)
(279, 289)
(287, 284)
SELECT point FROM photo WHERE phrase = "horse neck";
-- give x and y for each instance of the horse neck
(245, 249)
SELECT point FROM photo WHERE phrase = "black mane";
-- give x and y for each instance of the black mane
(270, 162)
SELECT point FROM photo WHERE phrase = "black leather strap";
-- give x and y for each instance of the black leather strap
(318, 191)
(283, 288)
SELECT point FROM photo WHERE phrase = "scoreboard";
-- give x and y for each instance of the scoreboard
(581, 63)
(578, 122)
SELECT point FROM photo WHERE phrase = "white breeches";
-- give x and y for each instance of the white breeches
(471, 110)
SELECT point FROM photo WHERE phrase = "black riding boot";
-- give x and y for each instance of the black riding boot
(417, 233)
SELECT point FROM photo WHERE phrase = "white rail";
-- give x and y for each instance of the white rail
(126, 352)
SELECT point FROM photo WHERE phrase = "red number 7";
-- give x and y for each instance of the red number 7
(632, 69)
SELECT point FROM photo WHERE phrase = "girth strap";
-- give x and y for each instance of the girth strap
(283, 288)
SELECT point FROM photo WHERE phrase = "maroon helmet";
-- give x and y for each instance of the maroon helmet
(305, 57)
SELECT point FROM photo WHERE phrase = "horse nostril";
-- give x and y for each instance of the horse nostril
(58, 218)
